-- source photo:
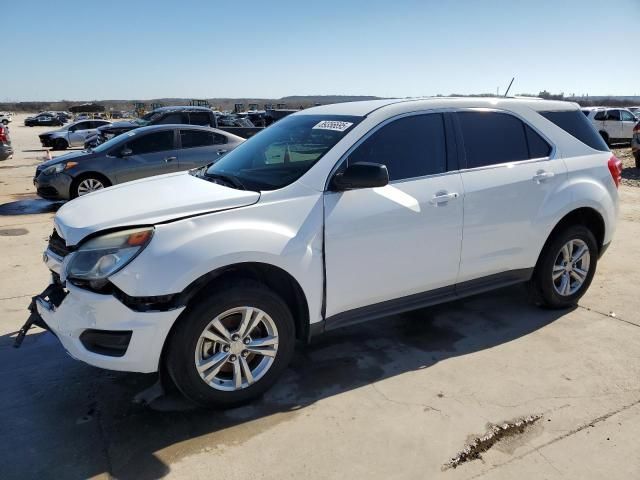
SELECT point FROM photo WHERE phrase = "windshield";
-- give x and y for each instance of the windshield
(282, 153)
(103, 147)
(148, 118)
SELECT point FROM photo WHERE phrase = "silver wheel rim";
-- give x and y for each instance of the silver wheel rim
(236, 349)
(89, 185)
(571, 267)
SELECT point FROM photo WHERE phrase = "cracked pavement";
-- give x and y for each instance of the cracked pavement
(394, 398)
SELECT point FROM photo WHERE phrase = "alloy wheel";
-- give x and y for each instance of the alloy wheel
(236, 349)
(89, 185)
(571, 267)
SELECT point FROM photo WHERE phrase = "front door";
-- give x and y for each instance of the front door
(510, 172)
(628, 124)
(392, 242)
(147, 154)
(79, 132)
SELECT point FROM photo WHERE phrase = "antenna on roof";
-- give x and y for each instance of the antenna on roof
(509, 87)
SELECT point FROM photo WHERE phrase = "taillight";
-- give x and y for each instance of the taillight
(615, 168)
(3, 134)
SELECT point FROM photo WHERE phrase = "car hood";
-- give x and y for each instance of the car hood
(146, 202)
(51, 132)
(78, 155)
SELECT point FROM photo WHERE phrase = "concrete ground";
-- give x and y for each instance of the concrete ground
(396, 398)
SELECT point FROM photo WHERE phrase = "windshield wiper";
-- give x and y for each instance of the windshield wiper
(227, 178)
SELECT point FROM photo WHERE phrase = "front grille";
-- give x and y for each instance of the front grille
(57, 245)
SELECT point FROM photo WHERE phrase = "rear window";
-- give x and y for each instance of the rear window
(577, 125)
(492, 138)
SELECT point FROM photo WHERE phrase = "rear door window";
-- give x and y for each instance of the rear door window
(196, 138)
(170, 118)
(200, 118)
(219, 139)
(410, 147)
(491, 138)
(613, 115)
(577, 125)
(627, 116)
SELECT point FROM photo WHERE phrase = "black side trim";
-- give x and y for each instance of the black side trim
(603, 249)
(425, 299)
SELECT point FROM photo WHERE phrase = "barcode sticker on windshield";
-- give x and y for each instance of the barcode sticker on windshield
(334, 125)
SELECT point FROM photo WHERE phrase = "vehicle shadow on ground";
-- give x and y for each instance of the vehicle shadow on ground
(79, 421)
(29, 206)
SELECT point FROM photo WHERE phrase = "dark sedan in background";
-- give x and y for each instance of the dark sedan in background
(139, 153)
(43, 119)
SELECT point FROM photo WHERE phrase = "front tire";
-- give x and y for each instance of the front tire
(5, 122)
(60, 144)
(230, 347)
(87, 184)
(565, 268)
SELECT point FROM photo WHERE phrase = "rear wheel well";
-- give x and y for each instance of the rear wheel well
(276, 279)
(586, 216)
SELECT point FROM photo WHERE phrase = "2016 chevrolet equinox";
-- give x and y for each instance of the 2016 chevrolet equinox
(333, 215)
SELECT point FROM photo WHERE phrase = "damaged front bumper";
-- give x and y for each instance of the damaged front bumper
(99, 329)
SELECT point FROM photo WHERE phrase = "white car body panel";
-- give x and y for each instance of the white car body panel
(392, 241)
(373, 245)
(169, 196)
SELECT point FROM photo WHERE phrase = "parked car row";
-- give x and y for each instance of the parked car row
(329, 217)
(47, 119)
(6, 118)
(139, 153)
(5, 142)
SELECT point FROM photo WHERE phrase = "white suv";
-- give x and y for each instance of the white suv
(614, 124)
(331, 216)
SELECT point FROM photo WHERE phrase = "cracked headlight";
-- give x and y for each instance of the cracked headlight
(103, 256)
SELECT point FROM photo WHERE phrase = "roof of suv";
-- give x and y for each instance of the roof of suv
(366, 107)
(182, 108)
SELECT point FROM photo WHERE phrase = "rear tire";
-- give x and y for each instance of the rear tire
(5, 122)
(637, 157)
(561, 278)
(187, 346)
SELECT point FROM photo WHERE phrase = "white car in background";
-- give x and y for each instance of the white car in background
(614, 124)
(5, 118)
(331, 216)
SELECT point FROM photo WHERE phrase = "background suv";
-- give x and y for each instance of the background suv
(137, 154)
(614, 124)
(331, 216)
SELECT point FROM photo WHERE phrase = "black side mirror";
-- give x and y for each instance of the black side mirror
(125, 152)
(361, 175)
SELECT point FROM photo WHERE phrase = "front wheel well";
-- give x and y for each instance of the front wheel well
(275, 278)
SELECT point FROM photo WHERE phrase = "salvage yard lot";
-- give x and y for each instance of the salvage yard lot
(394, 398)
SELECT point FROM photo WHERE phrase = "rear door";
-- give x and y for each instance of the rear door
(510, 170)
(148, 154)
(393, 242)
(199, 147)
(628, 123)
(613, 124)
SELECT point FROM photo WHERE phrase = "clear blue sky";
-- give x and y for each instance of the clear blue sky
(117, 49)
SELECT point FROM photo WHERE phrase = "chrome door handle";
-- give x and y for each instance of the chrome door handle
(442, 197)
(221, 152)
(169, 159)
(541, 176)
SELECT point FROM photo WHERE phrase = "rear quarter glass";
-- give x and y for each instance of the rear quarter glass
(577, 125)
